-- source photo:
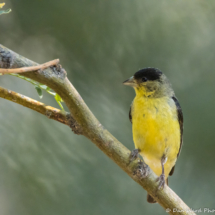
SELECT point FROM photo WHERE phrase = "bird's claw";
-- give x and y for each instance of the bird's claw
(134, 154)
(161, 181)
(143, 169)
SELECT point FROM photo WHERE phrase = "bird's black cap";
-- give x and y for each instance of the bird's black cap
(151, 74)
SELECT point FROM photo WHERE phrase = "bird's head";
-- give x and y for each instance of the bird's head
(150, 82)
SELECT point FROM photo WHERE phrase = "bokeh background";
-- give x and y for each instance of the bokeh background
(45, 169)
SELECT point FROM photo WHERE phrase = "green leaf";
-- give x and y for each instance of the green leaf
(42, 86)
(5, 11)
(2, 5)
(39, 91)
(59, 100)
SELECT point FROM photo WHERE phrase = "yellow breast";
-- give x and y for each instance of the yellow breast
(156, 131)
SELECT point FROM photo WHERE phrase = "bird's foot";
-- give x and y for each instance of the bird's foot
(143, 169)
(134, 154)
(161, 181)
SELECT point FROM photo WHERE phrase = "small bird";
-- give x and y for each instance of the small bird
(157, 123)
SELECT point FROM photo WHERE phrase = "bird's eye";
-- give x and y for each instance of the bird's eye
(144, 79)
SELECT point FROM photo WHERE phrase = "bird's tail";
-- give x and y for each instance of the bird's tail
(151, 199)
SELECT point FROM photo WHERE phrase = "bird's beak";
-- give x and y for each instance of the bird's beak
(130, 82)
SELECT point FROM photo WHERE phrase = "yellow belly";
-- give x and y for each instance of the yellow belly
(156, 131)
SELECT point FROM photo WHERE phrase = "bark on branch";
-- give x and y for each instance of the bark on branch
(56, 79)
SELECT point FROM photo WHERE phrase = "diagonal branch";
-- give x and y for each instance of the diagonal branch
(56, 79)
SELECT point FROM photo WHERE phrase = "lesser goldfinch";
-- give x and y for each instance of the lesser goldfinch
(157, 123)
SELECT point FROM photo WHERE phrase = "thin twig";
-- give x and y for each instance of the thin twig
(30, 68)
(50, 112)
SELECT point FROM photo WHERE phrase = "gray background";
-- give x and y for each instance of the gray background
(44, 167)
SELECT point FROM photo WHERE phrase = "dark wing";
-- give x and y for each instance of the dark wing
(130, 116)
(130, 113)
(180, 120)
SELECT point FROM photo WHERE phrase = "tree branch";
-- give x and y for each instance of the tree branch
(56, 79)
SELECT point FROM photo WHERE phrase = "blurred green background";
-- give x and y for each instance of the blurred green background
(45, 169)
